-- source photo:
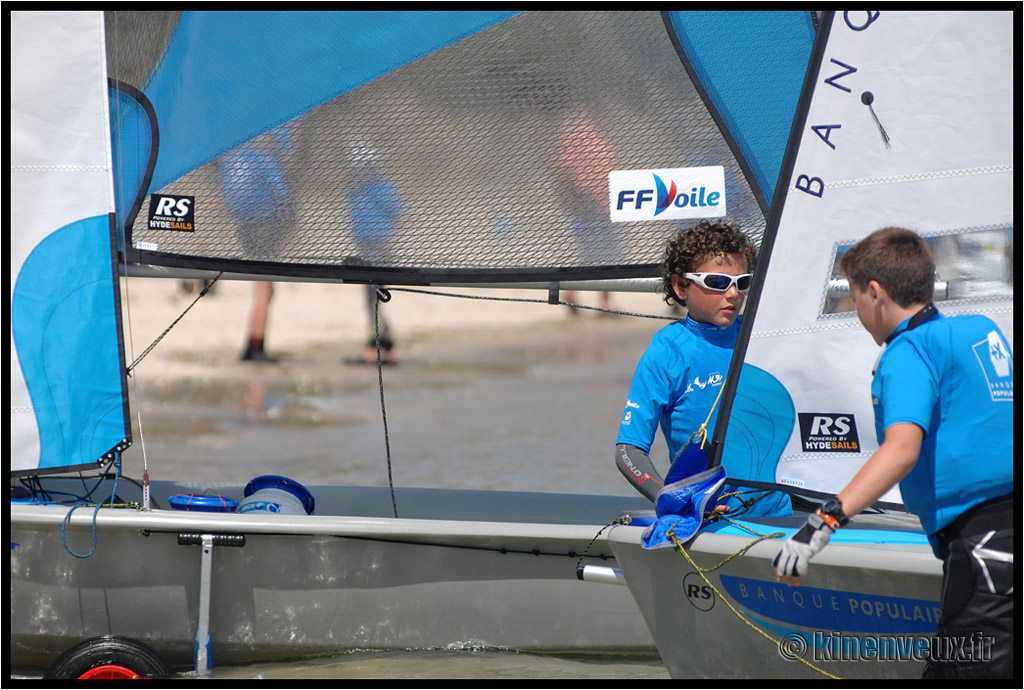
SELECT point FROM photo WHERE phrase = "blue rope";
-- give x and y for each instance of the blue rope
(67, 518)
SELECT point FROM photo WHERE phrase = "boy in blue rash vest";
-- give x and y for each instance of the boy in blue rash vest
(943, 398)
(678, 379)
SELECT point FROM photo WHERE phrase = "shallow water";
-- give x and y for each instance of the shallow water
(535, 411)
(453, 664)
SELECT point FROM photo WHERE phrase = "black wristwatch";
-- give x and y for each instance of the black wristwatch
(833, 509)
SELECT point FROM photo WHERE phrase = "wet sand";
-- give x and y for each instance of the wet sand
(307, 319)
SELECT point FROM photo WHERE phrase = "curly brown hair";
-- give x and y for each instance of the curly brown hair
(692, 247)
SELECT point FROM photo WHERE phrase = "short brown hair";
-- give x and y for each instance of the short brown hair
(898, 259)
(693, 246)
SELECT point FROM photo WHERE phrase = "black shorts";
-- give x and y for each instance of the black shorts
(975, 635)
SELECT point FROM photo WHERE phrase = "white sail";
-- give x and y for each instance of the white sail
(61, 179)
(911, 125)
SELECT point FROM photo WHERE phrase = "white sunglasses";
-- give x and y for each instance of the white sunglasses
(720, 282)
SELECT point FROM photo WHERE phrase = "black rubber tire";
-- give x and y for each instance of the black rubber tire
(109, 650)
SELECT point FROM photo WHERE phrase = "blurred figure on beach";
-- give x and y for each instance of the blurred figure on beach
(374, 207)
(254, 182)
(585, 157)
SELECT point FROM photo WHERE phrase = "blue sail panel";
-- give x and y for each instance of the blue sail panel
(71, 364)
(486, 144)
(750, 66)
(232, 75)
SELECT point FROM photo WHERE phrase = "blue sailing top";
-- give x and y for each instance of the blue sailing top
(953, 377)
(374, 206)
(676, 384)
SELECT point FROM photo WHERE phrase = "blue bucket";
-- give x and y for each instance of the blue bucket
(203, 503)
(273, 494)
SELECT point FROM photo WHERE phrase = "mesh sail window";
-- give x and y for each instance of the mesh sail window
(413, 147)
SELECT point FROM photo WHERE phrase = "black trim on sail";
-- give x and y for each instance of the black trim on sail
(128, 219)
(391, 276)
(806, 494)
(118, 319)
(770, 232)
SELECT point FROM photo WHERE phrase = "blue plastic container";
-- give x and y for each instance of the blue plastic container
(204, 503)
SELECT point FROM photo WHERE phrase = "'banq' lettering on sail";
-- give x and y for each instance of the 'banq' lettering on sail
(666, 193)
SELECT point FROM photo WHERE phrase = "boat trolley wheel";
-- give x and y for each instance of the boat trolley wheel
(109, 657)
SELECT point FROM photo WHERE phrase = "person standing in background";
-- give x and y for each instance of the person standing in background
(257, 193)
(374, 207)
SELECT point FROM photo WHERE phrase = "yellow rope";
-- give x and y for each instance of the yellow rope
(130, 504)
(703, 430)
(702, 433)
(701, 571)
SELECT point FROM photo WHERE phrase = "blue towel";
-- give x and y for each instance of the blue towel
(680, 507)
(692, 459)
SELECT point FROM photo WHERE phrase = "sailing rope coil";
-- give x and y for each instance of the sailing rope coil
(95, 514)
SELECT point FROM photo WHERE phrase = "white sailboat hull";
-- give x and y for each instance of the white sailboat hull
(323, 584)
(857, 595)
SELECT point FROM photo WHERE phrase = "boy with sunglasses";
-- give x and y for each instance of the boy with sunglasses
(943, 397)
(677, 381)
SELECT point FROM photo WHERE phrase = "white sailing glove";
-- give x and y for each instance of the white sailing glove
(797, 551)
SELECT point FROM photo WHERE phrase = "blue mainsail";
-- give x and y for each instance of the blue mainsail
(494, 128)
(749, 67)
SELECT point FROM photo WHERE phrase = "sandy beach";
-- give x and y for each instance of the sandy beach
(315, 324)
